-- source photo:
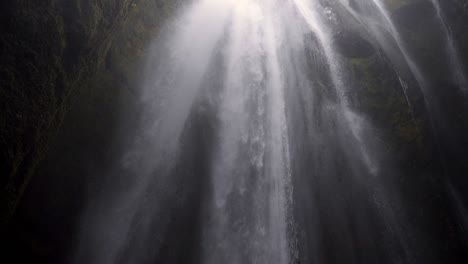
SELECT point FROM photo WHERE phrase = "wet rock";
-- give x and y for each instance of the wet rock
(352, 45)
(49, 51)
(414, 14)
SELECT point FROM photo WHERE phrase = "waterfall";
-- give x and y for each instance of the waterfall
(251, 142)
(253, 136)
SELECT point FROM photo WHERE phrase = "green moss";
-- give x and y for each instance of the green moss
(378, 95)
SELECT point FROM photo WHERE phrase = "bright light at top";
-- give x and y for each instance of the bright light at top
(247, 8)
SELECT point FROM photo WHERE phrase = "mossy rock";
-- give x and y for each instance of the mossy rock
(378, 94)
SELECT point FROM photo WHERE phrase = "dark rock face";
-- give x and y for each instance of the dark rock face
(414, 13)
(66, 74)
(351, 45)
(51, 50)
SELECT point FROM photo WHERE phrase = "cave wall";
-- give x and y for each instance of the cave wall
(68, 72)
(56, 54)
(49, 49)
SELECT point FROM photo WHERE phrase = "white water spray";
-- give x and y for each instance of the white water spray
(246, 62)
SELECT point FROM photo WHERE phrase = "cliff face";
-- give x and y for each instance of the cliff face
(427, 142)
(67, 74)
(51, 51)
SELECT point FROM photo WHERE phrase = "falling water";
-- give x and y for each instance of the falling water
(404, 85)
(253, 137)
(457, 67)
(248, 101)
(384, 17)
